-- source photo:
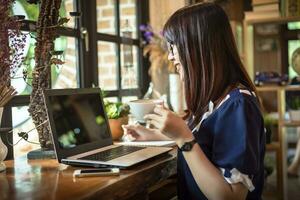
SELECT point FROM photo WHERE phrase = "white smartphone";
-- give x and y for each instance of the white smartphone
(96, 172)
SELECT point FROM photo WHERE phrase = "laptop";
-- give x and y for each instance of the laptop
(81, 134)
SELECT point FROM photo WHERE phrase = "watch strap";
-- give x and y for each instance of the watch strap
(188, 146)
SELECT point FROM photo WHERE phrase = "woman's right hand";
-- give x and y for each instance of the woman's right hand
(142, 133)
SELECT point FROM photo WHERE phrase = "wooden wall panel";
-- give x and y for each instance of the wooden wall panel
(161, 10)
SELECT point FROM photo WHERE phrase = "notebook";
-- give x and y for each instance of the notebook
(81, 133)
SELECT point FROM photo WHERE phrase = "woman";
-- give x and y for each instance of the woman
(221, 144)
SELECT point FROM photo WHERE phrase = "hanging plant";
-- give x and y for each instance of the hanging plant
(46, 32)
(12, 43)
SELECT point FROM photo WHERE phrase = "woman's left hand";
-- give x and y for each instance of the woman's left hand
(170, 124)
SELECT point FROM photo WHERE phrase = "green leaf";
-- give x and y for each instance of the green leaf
(116, 110)
(63, 21)
(56, 61)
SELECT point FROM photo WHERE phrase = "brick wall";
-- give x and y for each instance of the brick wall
(69, 8)
(67, 77)
(107, 55)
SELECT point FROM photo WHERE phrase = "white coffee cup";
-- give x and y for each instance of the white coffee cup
(141, 107)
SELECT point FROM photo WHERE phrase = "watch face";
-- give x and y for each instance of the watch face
(187, 147)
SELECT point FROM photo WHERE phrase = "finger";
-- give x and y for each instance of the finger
(133, 134)
(159, 110)
(152, 117)
(159, 102)
(155, 124)
(128, 137)
(127, 126)
(137, 128)
(131, 126)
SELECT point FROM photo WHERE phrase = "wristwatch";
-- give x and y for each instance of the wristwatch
(188, 146)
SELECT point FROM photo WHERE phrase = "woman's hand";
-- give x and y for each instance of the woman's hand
(170, 124)
(142, 133)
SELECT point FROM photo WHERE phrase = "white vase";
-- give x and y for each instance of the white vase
(3, 148)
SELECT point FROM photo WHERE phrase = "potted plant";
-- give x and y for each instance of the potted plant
(45, 57)
(117, 114)
(271, 125)
(295, 108)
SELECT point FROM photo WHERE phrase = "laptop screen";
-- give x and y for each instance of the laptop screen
(78, 119)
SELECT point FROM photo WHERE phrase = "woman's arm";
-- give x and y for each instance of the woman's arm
(209, 178)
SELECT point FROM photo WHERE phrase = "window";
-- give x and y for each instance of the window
(118, 47)
(110, 57)
(65, 76)
(106, 17)
(293, 25)
(107, 65)
(23, 123)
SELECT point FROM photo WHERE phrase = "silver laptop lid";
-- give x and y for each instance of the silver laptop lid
(78, 121)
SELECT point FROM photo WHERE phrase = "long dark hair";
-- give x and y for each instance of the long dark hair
(208, 54)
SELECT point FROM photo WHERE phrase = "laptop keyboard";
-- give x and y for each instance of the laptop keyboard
(112, 153)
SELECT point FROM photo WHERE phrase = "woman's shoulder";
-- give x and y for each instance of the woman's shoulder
(239, 103)
(241, 106)
(240, 97)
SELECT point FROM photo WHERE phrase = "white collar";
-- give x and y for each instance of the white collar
(209, 112)
(211, 108)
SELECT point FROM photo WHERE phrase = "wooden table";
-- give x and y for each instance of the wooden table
(47, 179)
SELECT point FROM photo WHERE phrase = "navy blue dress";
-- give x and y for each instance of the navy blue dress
(232, 137)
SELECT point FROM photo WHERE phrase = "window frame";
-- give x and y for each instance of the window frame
(90, 22)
